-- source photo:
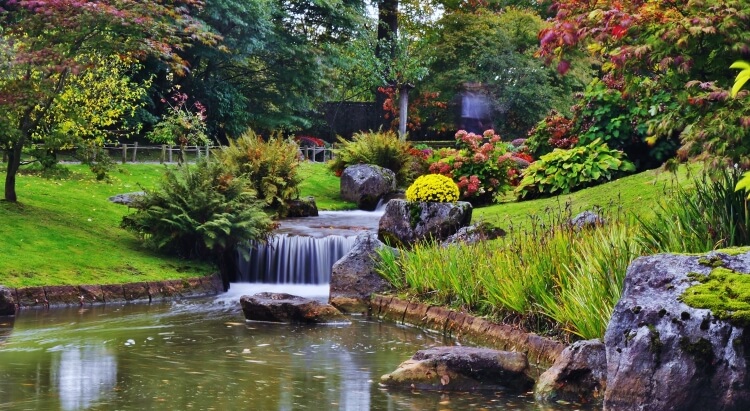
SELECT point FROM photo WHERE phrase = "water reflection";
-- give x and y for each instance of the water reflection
(83, 375)
(203, 355)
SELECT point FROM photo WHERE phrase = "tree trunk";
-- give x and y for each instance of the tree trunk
(387, 29)
(403, 110)
(14, 162)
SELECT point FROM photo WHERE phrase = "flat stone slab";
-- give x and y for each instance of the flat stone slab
(462, 369)
(287, 308)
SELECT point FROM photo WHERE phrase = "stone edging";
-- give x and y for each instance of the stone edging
(141, 292)
(541, 351)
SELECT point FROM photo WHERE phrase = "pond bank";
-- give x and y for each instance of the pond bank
(541, 351)
(144, 292)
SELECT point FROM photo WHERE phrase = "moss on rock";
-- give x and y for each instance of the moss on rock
(725, 292)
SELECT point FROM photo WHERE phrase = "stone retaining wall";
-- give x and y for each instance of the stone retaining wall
(541, 351)
(142, 292)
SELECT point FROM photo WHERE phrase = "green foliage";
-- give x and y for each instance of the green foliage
(496, 50)
(571, 277)
(271, 167)
(563, 171)
(198, 212)
(382, 148)
(433, 187)
(681, 49)
(708, 216)
(181, 125)
(480, 166)
(553, 131)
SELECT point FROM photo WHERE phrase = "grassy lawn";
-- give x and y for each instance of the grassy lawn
(65, 231)
(635, 195)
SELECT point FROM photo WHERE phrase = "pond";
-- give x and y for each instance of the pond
(202, 355)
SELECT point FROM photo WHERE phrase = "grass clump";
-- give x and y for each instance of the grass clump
(567, 277)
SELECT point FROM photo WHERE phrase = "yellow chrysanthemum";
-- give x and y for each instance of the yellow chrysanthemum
(433, 187)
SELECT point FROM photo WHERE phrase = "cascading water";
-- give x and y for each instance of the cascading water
(304, 249)
(288, 259)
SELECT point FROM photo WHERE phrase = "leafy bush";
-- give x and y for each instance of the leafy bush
(382, 148)
(563, 171)
(551, 132)
(433, 187)
(180, 125)
(480, 166)
(711, 215)
(270, 166)
(200, 212)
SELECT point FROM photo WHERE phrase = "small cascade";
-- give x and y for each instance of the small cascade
(290, 259)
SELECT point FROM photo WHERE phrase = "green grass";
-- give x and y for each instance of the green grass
(320, 182)
(637, 194)
(66, 232)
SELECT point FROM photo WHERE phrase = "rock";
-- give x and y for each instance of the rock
(365, 184)
(353, 277)
(462, 369)
(474, 234)
(665, 355)
(126, 198)
(302, 207)
(7, 302)
(286, 308)
(62, 295)
(587, 219)
(404, 223)
(579, 375)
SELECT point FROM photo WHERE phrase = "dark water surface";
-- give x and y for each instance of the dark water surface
(203, 355)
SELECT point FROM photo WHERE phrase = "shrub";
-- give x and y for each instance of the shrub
(381, 148)
(553, 131)
(480, 166)
(433, 187)
(563, 171)
(199, 212)
(180, 125)
(270, 166)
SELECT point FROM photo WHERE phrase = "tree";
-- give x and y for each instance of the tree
(46, 42)
(682, 47)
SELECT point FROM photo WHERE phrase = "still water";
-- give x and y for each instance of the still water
(203, 355)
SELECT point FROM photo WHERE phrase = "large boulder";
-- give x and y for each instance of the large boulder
(404, 222)
(127, 198)
(462, 369)
(365, 184)
(663, 354)
(353, 277)
(7, 302)
(578, 375)
(286, 308)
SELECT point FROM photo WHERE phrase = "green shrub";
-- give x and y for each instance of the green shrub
(563, 171)
(433, 187)
(272, 167)
(198, 212)
(708, 216)
(381, 148)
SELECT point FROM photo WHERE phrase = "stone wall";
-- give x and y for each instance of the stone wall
(541, 351)
(145, 292)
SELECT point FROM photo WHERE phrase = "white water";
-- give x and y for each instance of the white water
(237, 290)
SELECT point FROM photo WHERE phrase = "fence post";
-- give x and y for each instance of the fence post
(135, 150)
(124, 153)
(163, 153)
(198, 150)
(207, 150)
(170, 153)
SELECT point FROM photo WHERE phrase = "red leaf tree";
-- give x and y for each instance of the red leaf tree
(40, 41)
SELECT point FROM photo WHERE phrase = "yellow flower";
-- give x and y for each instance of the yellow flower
(433, 187)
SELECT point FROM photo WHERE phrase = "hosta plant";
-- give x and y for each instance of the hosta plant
(563, 171)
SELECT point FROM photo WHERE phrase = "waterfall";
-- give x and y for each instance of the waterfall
(290, 259)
